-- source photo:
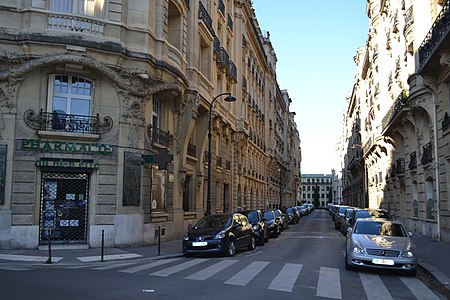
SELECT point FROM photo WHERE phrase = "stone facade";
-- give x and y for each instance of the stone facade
(403, 106)
(90, 95)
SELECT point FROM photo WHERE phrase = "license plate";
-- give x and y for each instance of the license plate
(381, 261)
(197, 244)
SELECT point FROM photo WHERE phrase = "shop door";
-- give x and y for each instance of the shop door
(64, 197)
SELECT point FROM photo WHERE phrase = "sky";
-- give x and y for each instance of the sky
(315, 43)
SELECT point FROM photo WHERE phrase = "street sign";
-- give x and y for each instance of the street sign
(161, 159)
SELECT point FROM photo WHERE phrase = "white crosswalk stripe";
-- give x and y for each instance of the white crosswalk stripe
(329, 285)
(286, 278)
(374, 287)
(248, 273)
(172, 270)
(114, 266)
(212, 270)
(149, 265)
(419, 289)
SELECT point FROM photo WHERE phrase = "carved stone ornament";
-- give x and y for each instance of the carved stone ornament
(187, 111)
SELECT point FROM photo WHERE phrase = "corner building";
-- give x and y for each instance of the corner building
(91, 91)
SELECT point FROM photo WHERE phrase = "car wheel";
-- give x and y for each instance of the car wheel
(231, 247)
(252, 244)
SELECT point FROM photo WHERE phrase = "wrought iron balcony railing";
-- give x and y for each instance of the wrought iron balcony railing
(436, 34)
(160, 137)
(427, 155)
(61, 122)
(412, 165)
(205, 17)
(221, 7)
(230, 22)
(400, 166)
(192, 150)
(219, 161)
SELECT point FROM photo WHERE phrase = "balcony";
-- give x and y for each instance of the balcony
(427, 156)
(395, 109)
(61, 122)
(221, 7)
(230, 23)
(232, 71)
(412, 165)
(192, 150)
(204, 16)
(400, 167)
(160, 137)
(223, 58)
(219, 161)
(437, 38)
(75, 24)
(445, 123)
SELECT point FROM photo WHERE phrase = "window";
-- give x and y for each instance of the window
(429, 204)
(174, 35)
(91, 8)
(415, 197)
(205, 58)
(156, 113)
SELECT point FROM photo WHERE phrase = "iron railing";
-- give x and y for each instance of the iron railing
(436, 34)
(400, 166)
(427, 155)
(160, 137)
(61, 122)
(206, 18)
(192, 150)
(221, 7)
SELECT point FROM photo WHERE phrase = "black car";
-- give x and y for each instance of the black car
(219, 233)
(272, 223)
(256, 218)
(281, 218)
(293, 215)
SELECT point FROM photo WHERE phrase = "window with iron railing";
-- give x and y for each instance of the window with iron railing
(427, 155)
(412, 161)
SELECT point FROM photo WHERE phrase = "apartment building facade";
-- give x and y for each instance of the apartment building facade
(317, 189)
(402, 92)
(108, 111)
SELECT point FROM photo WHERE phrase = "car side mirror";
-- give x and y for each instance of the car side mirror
(349, 230)
(410, 234)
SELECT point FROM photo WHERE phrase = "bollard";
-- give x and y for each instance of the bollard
(103, 245)
(159, 240)
(49, 260)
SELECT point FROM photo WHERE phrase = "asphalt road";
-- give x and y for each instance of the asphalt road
(304, 262)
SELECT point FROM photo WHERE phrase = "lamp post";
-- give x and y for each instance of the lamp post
(229, 98)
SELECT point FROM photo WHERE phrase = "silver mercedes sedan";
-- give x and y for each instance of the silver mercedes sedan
(380, 244)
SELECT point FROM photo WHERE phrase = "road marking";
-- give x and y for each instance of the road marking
(419, 289)
(172, 270)
(5, 268)
(212, 270)
(374, 287)
(286, 278)
(149, 265)
(329, 284)
(28, 258)
(114, 266)
(248, 273)
(108, 257)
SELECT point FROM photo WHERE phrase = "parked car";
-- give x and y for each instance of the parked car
(380, 244)
(219, 233)
(371, 213)
(339, 216)
(292, 215)
(272, 223)
(347, 220)
(282, 220)
(256, 218)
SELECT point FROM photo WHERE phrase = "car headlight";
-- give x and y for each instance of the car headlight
(408, 253)
(255, 227)
(272, 225)
(357, 249)
(220, 235)
(186, 237)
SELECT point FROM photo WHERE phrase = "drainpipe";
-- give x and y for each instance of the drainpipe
(436, 166)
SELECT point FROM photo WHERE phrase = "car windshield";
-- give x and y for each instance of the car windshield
(214, 221)
(342, 209)
(289, 210)
(277, 213)
(380, 228)
(268, 215)
(372, 214)
(253, 216)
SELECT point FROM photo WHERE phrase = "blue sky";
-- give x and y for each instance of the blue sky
(315, 42)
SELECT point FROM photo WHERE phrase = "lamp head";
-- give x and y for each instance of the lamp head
(230, 99)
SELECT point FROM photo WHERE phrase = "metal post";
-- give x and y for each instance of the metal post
(103, 245)
(208, 195)
(49, 236)
(159, 240)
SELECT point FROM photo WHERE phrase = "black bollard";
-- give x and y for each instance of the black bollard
(49, 260)
(159, 240)
(103, 245)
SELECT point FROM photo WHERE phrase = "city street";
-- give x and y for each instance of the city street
(304, 262)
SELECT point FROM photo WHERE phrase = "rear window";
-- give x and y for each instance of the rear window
(268, 215)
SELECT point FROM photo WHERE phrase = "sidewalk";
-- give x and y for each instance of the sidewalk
(434, 256)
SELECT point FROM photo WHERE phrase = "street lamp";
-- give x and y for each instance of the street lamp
(229, 98)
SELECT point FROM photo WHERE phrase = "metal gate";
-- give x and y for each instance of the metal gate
(64, 207)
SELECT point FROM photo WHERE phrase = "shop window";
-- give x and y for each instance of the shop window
(91, 8)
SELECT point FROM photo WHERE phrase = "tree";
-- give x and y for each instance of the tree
(316, 196)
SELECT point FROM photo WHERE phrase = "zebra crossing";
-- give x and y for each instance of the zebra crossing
(330, 283)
